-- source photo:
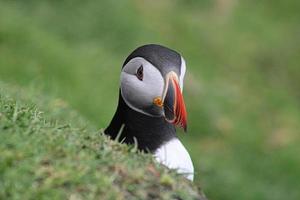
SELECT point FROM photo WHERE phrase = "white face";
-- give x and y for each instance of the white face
(138, 92)
(182, 73)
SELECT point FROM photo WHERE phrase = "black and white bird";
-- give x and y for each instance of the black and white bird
(151, 105)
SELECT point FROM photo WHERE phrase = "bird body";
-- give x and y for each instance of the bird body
(174, 155)
(151, 104)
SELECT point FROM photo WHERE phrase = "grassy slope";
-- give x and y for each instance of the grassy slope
(46, 158)
(242, 86)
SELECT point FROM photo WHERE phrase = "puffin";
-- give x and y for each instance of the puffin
(151, 106)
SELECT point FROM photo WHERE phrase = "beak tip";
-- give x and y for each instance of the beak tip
(184, 126)
(185, 129)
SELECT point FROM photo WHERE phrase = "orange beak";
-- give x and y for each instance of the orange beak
(174, 107)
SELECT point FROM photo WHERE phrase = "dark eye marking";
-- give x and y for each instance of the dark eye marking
(139, 73)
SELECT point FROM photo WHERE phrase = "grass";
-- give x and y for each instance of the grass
(241, 89)
(46, 158)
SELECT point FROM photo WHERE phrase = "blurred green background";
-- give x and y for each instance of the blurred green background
(242, 87)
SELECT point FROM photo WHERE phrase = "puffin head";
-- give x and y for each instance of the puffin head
(152, 83)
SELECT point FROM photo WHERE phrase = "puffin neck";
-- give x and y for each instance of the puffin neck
(150, 132)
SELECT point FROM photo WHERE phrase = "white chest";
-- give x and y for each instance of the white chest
(174, 155)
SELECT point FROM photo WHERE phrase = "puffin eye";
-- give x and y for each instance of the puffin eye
(139, 73)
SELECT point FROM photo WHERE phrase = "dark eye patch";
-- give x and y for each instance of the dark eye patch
(140, 73)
